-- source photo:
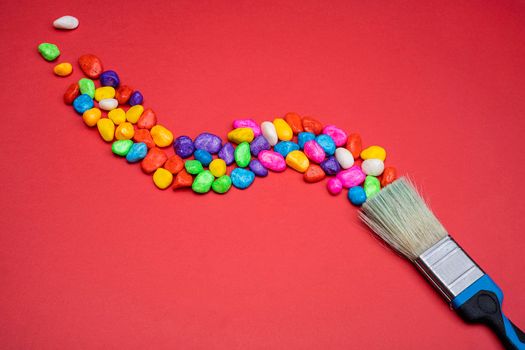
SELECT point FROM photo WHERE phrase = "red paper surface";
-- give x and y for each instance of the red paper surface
(92, 256)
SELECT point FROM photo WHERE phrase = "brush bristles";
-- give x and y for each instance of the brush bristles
(402, 219)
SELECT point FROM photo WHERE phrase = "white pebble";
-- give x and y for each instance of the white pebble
(373, 167)
(66, 22)
(108, 104)
(269, 133)
(344, 157)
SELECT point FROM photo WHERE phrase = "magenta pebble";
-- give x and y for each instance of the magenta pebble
(314, 151)
(351, 177)
(272, 160)
(339, 136)
(334, 186)
(247, 123)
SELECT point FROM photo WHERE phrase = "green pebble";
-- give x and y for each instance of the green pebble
(121, 147)
(49, 51)
(203, 182)
(372, 186)
(193, 167)
(222, 184)
(242, 154)
(87, 86)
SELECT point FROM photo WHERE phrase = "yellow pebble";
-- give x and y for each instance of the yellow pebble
(162, 178)
(241, 135)
(125, 131)
(91, 116)
(104, 92)
(63, 69)
(133, 114)
(117, 115)
(373, 152)
(161, 136)
(297, 160)
(217, 167)
(106, 129)
(284, 131)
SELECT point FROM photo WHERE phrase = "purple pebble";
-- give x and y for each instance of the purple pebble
(330, 166)
(109, 78)
(227, 153)
(136, 98)
(208, 142)
(183, 146)
(259, 144)
(257, 168)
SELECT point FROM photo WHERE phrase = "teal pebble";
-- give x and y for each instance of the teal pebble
(82, 103)
(203, 156)
(357, 195)
(285, 147)
(327, 144)
(304, 137)
(242, 178)
(137, 152)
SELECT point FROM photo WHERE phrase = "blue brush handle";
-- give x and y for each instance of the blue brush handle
(481, 303)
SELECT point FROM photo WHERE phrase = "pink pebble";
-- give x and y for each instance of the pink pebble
(314, 151)
(247, 123)
(351, 177)
(272, 160)
(334, 185)
(339, 136)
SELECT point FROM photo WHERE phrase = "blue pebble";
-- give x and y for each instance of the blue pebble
(304, 137)
(357, 195)
(203, 156)
(183, 146)
(285, 147)
(227, 153)
(330, 166)
(242, 178)
(82, 103)
(137, 152)
(109, 78)
(259, 144)
(136, 98)
(327, 143)
(257, 168)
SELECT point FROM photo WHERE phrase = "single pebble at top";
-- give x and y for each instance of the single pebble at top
(66, 22)
(82, 103)
(137, 152)
(217, 167)
(295, 122)
(242, 154)
(183, 146)
(285, 147)
(351, 177)
(376, 152)
(109, 78)
(330, 166)
(104, 92)
(389, 175)
(313, 174)
(203, 182)
(241, 135)
(297, 160)
(162, 178)
(334, 186)
(314, 151)
(304, 137)
(135, 98)
(87, 86)
(63, 69)
(203, 156)
(344, 157)
(373, 166)
(372, 186)
(357, 195)
(257, 168)
(123, 94)
(147, 120)
(284, 131)
(269, 133)
(208, 142)
(226, 153)
(339, 136)
(106, 129)
(354, 144)
(134, 113)
(272, 160)
(193, 166)
(242, 178)
(48, 51)
(247, 123)
(312, 125)
(327, 143)
(108, 104)
(90, 65)
(161, 136)
(121, 147)
(153, 160)
(259, 144)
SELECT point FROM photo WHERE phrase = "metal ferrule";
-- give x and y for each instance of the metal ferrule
(448, 268)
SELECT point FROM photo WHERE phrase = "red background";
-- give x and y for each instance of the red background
(92, 256)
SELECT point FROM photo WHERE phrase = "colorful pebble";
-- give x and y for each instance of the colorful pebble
(137, 152)
(104, 92)
(143, 135)
(326, 142)
(283, 130)
(123, 94)
(174, 164)
(257, 168)
(161, 136)
(297, 160)
(222, 184)
(63, 69)
(182, 180)
(373, 167)
(193, 167)
(82, 103)
(183, 146)
(217, 167)
(106, 129)
(242, 155)
(372, 186)
(247, 123)
(313, 174)
(125, 131)
(48, 51)
(242, 178)
(153, 160)
(354, 144)
(312, 125)
(314, 151)
(108, 104)
(147, 120)
(389, 175)
(90, 65)
(203, 156)
(241, 135)
(72, 92)
(134, 113)
(344, 157)
(227, 153)
(304, 137)
(351, 177)
(272, 160)
(259, 144)
(87, 86)
(117, 115)
(269, 133)
(91, 116)
(338, 136)
(330, 166)
(295, 122)
(203, 182)
(121, 147)
(135, 98)
(66, 22)
(208, 142)
(285, 147)
(162, 178)
(357, 195)
(334, 186)
(373, 152)
(109, 78)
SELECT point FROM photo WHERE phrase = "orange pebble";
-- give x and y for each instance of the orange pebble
(354, 144)
(143, 135)
(153, 160)
(389, 175)
(174, 164)
(314, 173)
(294, 120)
(147, 120)
(183, 179)
(312, 125)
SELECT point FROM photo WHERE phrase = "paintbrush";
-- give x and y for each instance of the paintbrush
(402, 219)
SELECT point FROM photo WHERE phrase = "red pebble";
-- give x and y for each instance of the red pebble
(354, 144)
(183, 179)
(389, 175)
(312, 125)
(143, 135)
(123, 93)
(90, 65)
(153, 160)
(174, 164)
(294, 120)
(71, 93)
(147, 120)
(314, 173)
